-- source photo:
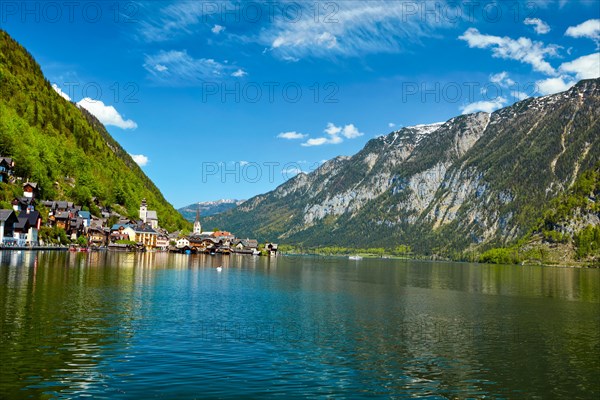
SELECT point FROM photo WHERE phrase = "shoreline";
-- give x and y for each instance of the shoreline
(34, 248)
(431, 259)
(366, 256)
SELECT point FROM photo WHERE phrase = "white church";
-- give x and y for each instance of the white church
(197, 225)
(149, 217)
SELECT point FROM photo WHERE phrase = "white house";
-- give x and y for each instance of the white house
(182, 242)
(8, 219)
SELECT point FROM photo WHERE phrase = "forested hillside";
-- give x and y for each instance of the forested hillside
(62, 147)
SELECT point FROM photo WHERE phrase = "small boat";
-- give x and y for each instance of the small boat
(355, 258)
(255, 252)
(219, 269)
(77, 249)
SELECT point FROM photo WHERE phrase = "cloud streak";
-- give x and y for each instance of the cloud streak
(522, 49)
(352, 28)
(177, 67)
(322, 29)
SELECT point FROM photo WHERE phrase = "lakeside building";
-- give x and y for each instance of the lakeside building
(143, 235)
(21, 230)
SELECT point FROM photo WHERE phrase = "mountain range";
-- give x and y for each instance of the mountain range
(208, 208)
(474, 182)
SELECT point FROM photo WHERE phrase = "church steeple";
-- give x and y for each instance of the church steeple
(143, 210)
(197, 225)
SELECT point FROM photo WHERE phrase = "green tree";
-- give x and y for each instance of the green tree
(82, 241)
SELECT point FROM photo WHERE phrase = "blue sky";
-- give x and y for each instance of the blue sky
(225, 99)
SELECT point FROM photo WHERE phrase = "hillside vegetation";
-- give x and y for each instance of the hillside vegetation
(568, 232)
(63, 148)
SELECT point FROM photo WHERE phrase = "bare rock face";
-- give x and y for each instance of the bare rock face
(474, 179)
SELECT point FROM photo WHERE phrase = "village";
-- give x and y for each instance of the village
(76, 229)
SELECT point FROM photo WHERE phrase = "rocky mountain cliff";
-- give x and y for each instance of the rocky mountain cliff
(477, 180)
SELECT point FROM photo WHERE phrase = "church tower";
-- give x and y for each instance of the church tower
(197, 226)
(143, 210)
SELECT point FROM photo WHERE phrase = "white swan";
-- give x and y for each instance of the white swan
(219, 269)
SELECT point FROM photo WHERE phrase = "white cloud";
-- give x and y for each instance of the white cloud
(290, 59)
(291, 135)
(335, 140)
(179, 68)
(391, 125)
(161, 68)
(315, 142)
(335, 135)
(554, 85)
(140, 159)
(327, 40)
(60, 92)
(585, 67)
(540, 27)
(588, 29)
(217, 29)
(502, 79)
(351, 132)
(522, 49)
(332, 129)
(485, 106)
(240, 73)
(504, 86)
(108, 115)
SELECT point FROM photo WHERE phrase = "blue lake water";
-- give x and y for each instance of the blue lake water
(109, 325)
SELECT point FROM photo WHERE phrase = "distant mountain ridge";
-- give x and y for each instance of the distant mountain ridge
(208, 208)
(475, 181)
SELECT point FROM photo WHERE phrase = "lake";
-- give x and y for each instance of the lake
(157, 325)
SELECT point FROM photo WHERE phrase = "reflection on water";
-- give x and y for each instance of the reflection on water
(118, 325)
